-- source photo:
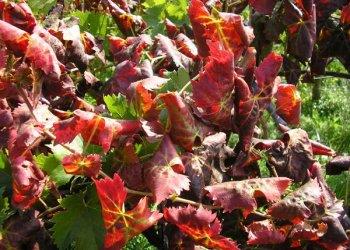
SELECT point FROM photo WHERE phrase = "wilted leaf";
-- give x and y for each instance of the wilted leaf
(241, 194)
(293, 155)
(296, 206)
(264, 232)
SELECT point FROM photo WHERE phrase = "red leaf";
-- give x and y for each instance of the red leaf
(213, 90)
(201, 225)
(241, 194)
(164, 46)
(126, 73)
(122, 225)
(162, 172)
(171, 29)
(306, 232)
(227, 28)
(247, 113)
(129, 49)
(294, 207)
(288, 103)
(265, 233)
(144, 99)
(78, 164)
(42, 56)
(345, 14)
(265, 75)
(263, 6)
(301, 21)
(292, 157)
(19, 15)
(93, 128)
(320, 149)
(183, 129)
(15, 39)
(186, 46)
(28, 182)
(127, 22)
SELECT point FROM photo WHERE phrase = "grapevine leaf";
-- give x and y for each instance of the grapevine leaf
(28, 182)
(78, 164)
(42, 56)
(293, 155)
(19, 15)
(241, 194)
(163, 172)
(177, 80)
(119, 107)
(265, 75)
(301, 21)
(14, 38)
(227, 28)
(264, 232)
(345, 14)
(263, 6)
(93, 128)
(53, 168)
(122, 225)
(213, 90)
(130, 48)
(183, 129)
(295, 206)
(81, 223)
(201, 225)
(288, 103)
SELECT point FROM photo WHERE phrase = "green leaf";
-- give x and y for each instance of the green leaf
(139, 242)
(5, 171)
(41, 7)
(119, 107)
(5, 210)
(80, 224)
(53, 167)
(178, 79)
(60, 152)
(157, 10)
(98, 24)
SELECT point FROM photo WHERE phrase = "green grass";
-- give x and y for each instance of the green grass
(327, 120)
